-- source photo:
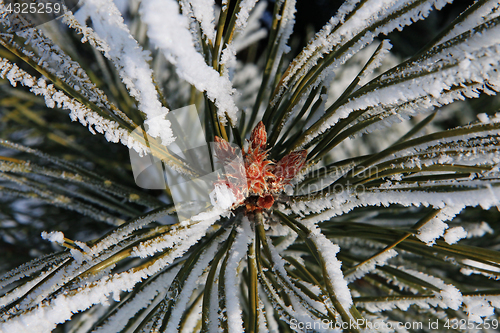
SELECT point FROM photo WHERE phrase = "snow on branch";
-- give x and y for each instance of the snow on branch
(370, 265)
(475, 15)
(55, 61)
(459, 194)
(296, 311)
(41, 268)
(436, 227)
(129, 58)
(37, 265)
(465, 149)
(453, 235)
(376, 59)
(287, 23)
(459, 68)
(474, 145)
(448, 295)
(302, 302)
(149, 296)
(56, 98)
(327, 252)
(480, 306)
(41, 309)
(253, 31)
(191, 283)
(246, 7)
(204, 13)
(232, 277)
(179, 236)
(357, 23)
(169, 31)
(123, 231)
(471, 149)
(311, 53)
(244, 34)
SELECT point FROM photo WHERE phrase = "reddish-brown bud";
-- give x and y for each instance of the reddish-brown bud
(258, 138)
(265, 202)
(223, 150)
(290, 165)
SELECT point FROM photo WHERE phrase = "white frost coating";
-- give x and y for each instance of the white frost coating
(228, 59)
(472, 270)
(478, 307)
(383, 49)
(181, 243)
(369, 266)
(54, 236)
(152, 292)
(203, 11)
(340, 203)
(42, 264)
(478, 229)
(272, 324)
(192, 282)
(176, 237)
(471, 65)
(123, 231)
(295, 311)
(212, 214)
(291, 290)
(435, 228)
(320, 38)
(338, 31)
(242, 32)
(262, 319)
(246, 7)
(214, 318)
(192, 322)
(57, 62)
(285, 31)
(327, 251)
(454, 234)
(486, 11)
(25, 287)
(52, 282)
(232, 277)
(56, 98)
(484, 118)
(130, 60)
(169, 31)
(289, 239)
(48, 313)
(474, 149)
(481, 265)
(449, 295)
(287, 21)
(253, 31)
